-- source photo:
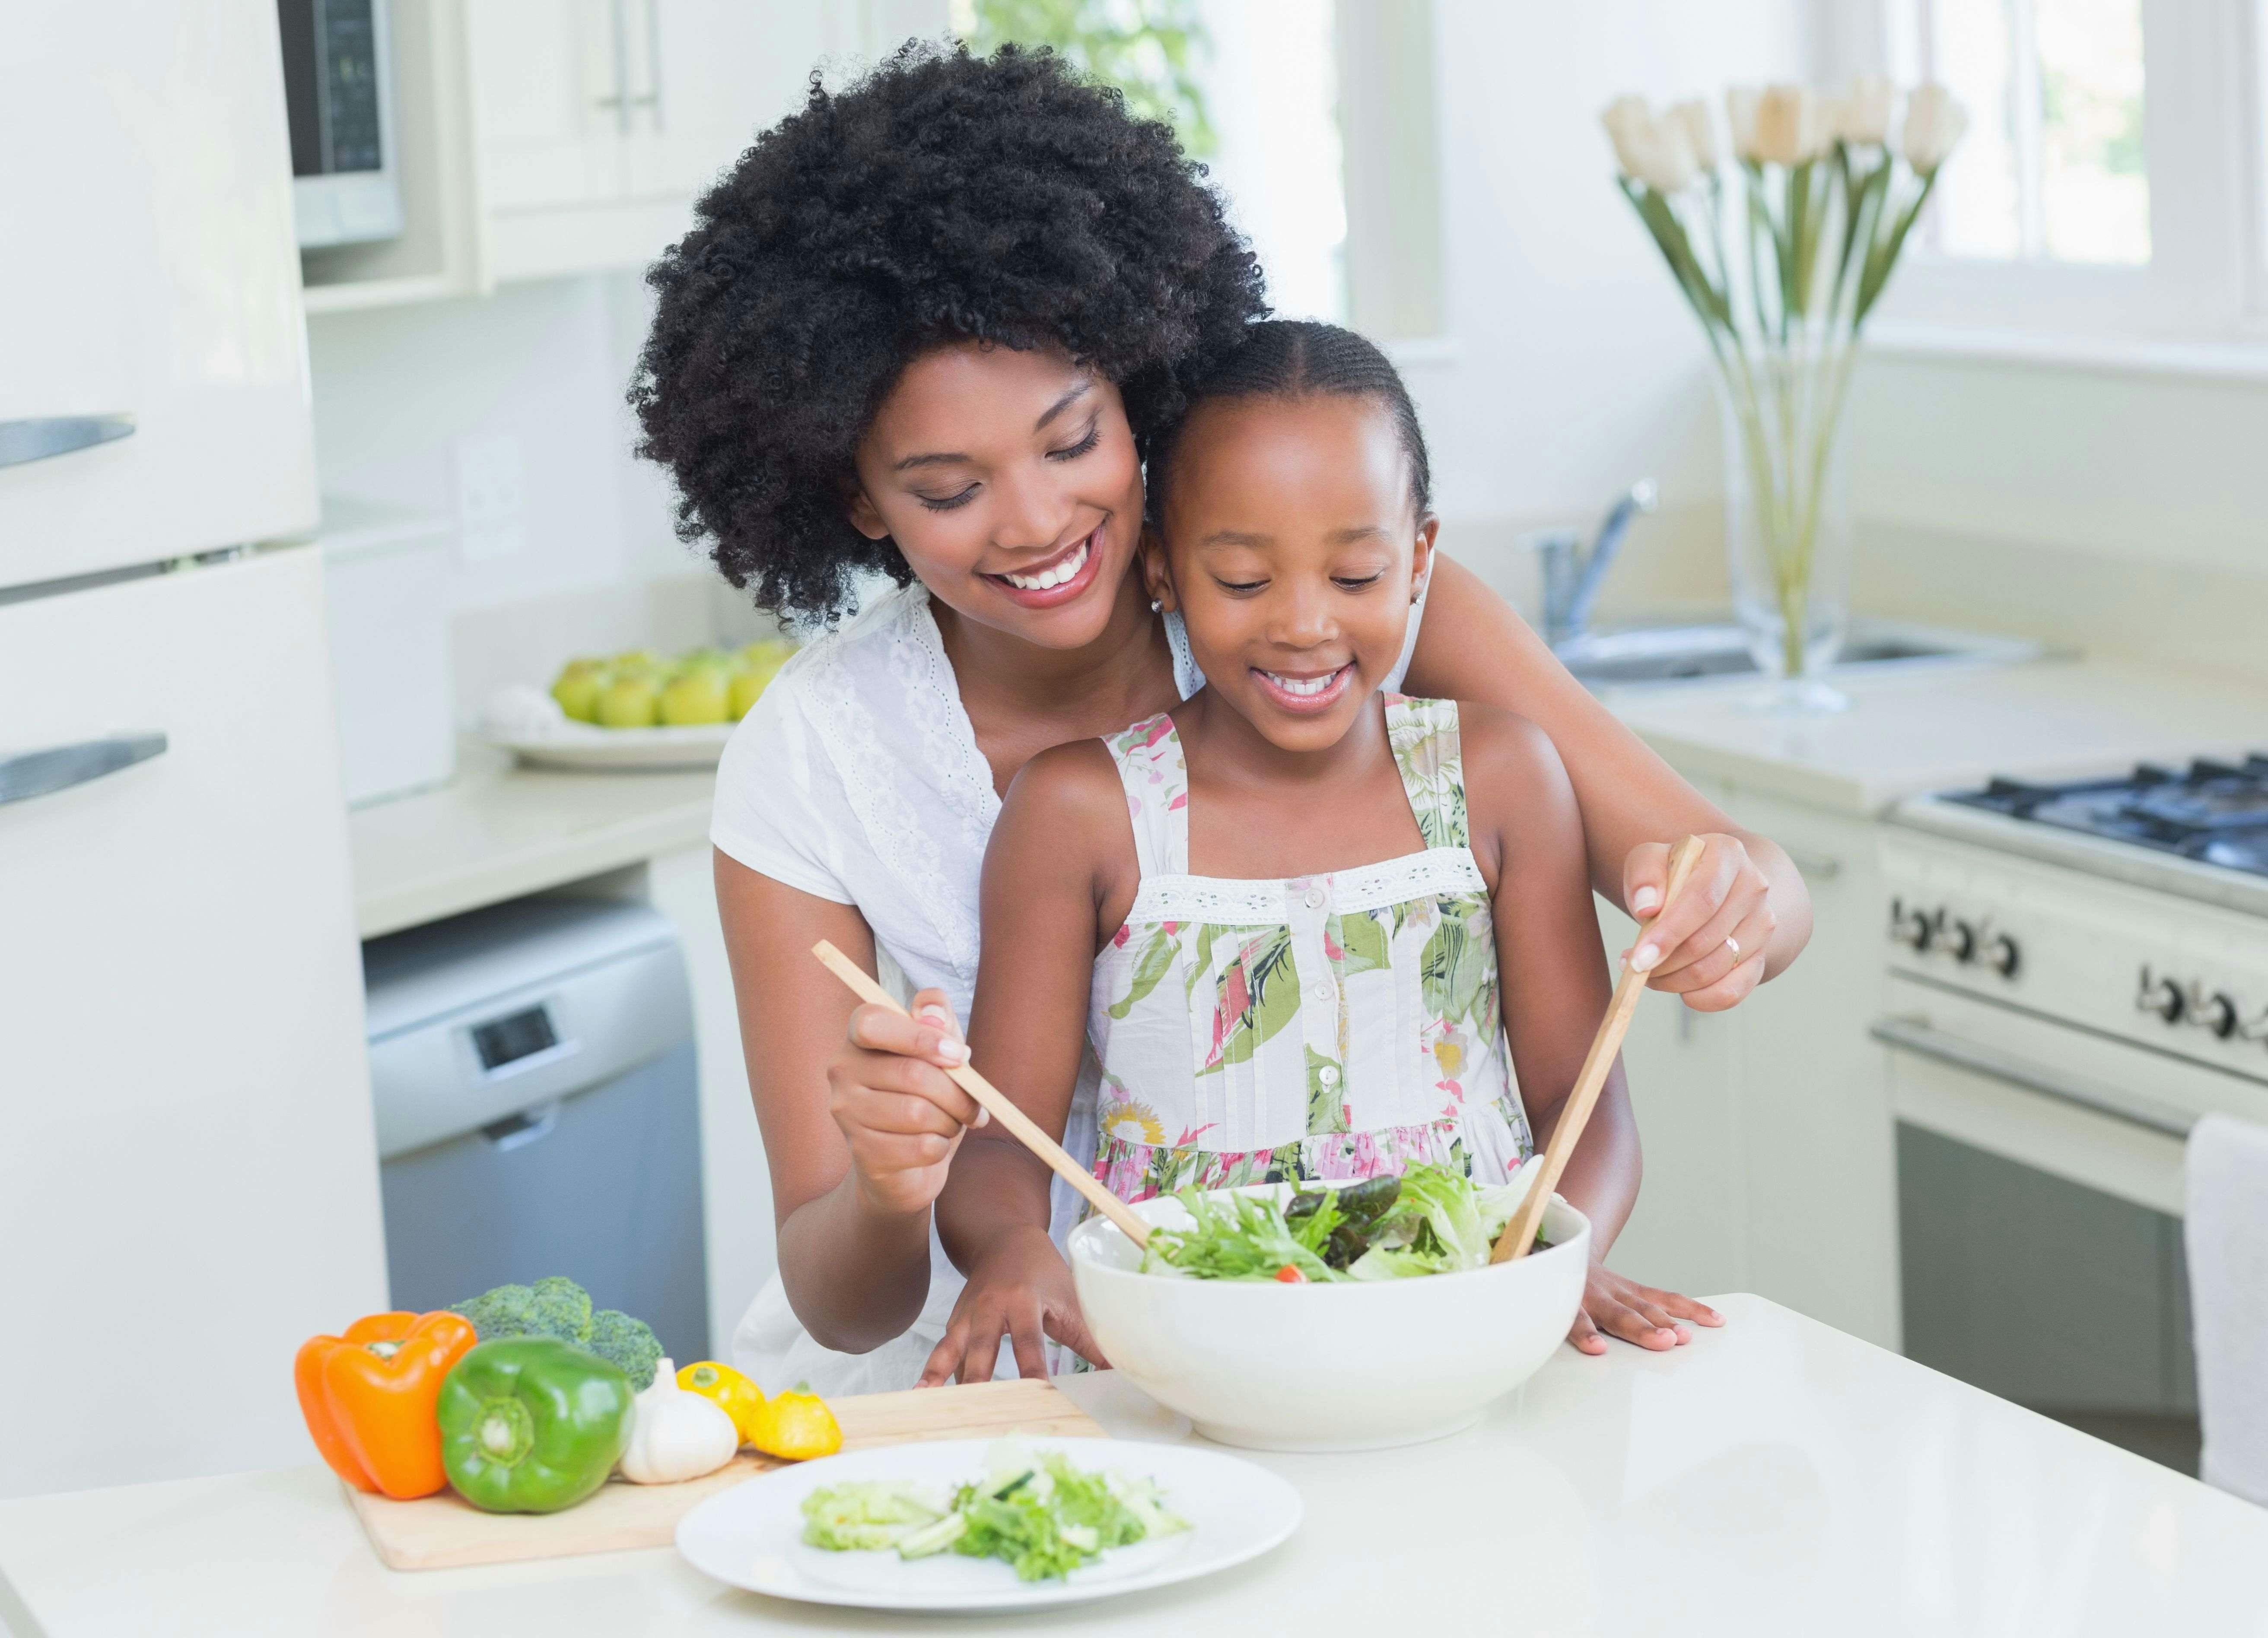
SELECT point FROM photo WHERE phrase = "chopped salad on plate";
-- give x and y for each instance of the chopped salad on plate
(1032, 1511)
(1430, 1219)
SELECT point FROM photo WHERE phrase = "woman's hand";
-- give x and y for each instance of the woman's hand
(1021, 1286)
(1634, 1312)
(898, 1113)
(1709, 946)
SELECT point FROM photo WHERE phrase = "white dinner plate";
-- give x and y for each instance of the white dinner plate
(527, 721)
(752, 1535)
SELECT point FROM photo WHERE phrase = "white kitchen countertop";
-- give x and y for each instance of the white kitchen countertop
(497, 831)
(1942, 727)
(1775, 1477)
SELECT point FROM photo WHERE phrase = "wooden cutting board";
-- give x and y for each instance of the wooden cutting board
(442, 1532)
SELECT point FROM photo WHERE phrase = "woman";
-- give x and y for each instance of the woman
(927, 328)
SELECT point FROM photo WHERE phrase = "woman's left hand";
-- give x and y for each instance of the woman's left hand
(1711, 945)
(1634, 1312)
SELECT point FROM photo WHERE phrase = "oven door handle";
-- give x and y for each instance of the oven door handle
(1912, 1035)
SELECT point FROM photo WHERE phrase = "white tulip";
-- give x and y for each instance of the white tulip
(1863, 113)
(1934, 123)
(1741, 120)
(1649, 150)
(1692, 117)
(1788, 127)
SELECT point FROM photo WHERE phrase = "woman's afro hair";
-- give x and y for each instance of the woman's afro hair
(943, 197)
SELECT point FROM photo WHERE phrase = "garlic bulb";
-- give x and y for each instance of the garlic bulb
(674, 1435)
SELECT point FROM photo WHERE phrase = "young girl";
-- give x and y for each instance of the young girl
(1306, 927)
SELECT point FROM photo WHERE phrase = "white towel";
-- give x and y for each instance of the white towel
(2226, 1233)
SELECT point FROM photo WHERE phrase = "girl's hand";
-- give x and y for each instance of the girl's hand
(1634, 1312)
(902, 1117)
(1709, 946)
(1021, 1286)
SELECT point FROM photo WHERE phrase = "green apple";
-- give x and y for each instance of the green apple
(695, 694)
(578, 688)
(631, 700)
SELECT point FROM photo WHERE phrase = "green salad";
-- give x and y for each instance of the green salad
(1430, 1219)
(1035, 1512)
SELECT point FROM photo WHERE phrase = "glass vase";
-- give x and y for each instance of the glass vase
(1787, 517)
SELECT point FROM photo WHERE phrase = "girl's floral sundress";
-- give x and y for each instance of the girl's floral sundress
(1333, 1026)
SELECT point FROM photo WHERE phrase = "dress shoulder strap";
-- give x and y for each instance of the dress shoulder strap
(1423, 734)
(1156, 776)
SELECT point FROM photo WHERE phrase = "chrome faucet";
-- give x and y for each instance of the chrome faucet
(1572, 575)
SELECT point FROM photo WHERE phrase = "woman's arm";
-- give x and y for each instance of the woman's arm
(1528, 836)
(1050, 879)
(859, 1120)
(1473, 646)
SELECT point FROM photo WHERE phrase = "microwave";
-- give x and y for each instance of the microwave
(338, 92)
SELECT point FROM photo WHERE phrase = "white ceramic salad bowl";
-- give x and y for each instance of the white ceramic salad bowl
(1339, 1366)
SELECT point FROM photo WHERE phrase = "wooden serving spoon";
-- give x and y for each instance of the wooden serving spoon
(998, 1103)
(1518, 1235)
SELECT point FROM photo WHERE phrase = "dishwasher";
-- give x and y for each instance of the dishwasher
(532, 1071)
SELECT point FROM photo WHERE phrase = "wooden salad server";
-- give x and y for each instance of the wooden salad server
(998, 1103)
(1518, 1235)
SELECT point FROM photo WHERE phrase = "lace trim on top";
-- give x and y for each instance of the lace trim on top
(902, 835)
(1228, 902)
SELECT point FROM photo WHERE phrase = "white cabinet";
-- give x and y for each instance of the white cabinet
(1819, 1184)
(186, 1155)
(543, 137)
(1769, 1161)
(148, 322)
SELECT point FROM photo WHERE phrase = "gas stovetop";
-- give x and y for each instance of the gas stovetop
(2213, 812)
(2200, 832)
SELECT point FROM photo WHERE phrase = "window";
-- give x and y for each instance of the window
(2057, 165)
(1314, 116)
(2110, 187)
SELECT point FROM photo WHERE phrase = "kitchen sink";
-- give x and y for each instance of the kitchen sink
(1660, 656)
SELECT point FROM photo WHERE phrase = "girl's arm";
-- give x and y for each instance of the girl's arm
(1060, 859)
(1527, 833)
(1473, 646)
(859, 1121)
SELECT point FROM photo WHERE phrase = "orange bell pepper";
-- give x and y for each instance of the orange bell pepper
(369, 1398)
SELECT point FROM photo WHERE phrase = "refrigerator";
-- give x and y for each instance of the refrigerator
(189, 1174)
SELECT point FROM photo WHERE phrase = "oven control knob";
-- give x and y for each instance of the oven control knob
(2219, 1015)
(2002, 955)
(2162, 996)
(1961, 939)
(1908, 926)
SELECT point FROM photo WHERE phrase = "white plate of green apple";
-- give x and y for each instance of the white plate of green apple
(635, 710)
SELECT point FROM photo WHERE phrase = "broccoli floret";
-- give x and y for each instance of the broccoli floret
(626, 1342)
(509, 1310)
(556, 1306)
(553, 1306)
(560, 1308)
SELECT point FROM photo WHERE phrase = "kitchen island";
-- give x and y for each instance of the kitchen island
(1773, 1477)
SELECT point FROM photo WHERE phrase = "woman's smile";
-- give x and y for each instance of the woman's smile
(1055, 580)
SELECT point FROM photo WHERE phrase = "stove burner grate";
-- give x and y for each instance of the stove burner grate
(2216, 812)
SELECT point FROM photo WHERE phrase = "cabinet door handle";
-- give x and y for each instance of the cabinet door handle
(22, 441)
(652, 98)
(41, 773)
(620, 102)
(1816, 866)
(1912, 1035)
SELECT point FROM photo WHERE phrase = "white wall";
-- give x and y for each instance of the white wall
(545, 364)
(1572, 366)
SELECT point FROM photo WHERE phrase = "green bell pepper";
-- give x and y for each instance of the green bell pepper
(532, 1424)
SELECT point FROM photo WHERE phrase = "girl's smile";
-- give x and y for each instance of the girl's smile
(1305, 692)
